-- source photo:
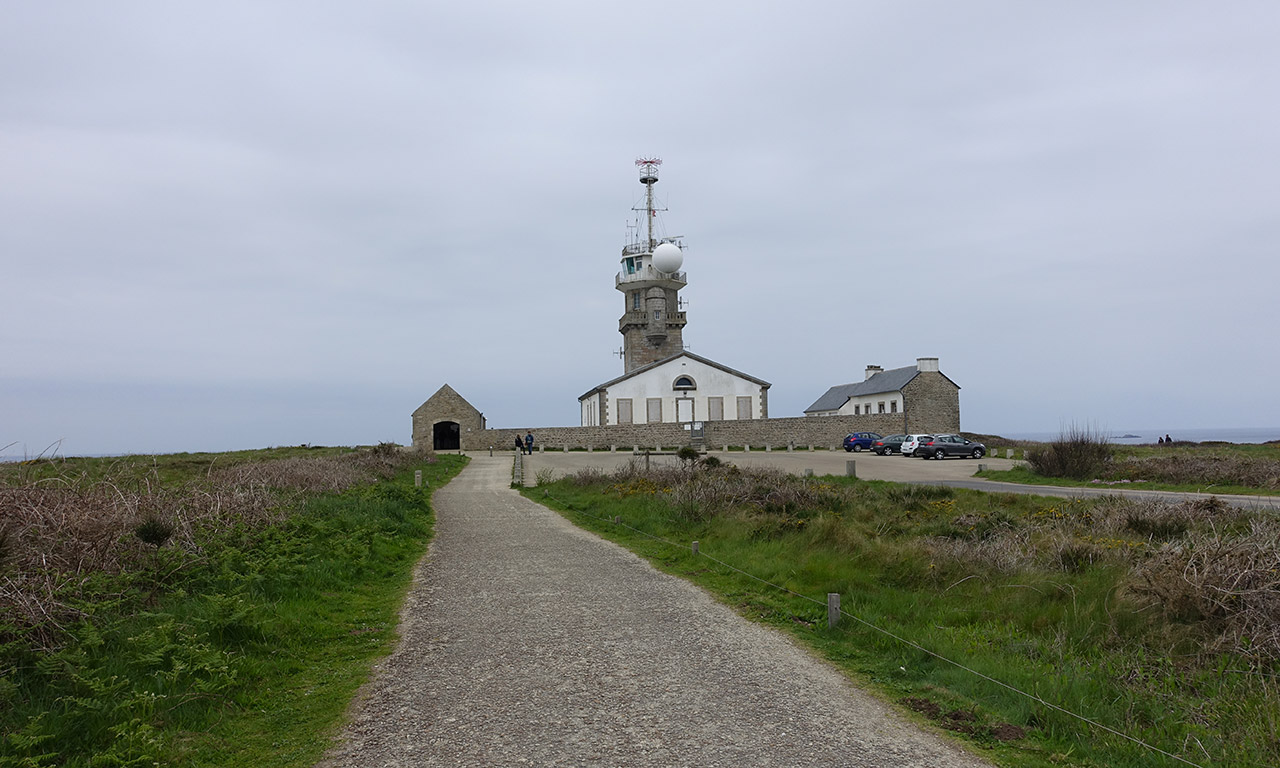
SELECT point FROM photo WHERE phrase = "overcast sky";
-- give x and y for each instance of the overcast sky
(245, 224)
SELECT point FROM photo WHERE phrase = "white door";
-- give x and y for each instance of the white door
(684, 410)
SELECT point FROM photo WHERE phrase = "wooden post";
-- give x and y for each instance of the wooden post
(833, 609)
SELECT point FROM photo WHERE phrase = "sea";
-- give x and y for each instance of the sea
(1139, 436)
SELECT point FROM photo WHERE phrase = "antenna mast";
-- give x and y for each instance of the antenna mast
(648, 177)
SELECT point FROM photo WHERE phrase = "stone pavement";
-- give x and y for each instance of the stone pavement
(527, 641)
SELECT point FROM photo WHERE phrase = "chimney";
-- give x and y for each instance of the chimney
(872, 370)
(927, 364)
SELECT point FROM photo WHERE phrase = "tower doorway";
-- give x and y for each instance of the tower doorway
(445, 436)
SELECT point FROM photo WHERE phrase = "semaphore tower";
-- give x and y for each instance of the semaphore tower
(652, 324)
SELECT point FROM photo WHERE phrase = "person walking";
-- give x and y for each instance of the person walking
(519, 443)
(528, 443)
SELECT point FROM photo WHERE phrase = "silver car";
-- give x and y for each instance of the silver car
(911, 442)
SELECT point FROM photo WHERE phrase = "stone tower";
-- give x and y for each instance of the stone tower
(652, 325)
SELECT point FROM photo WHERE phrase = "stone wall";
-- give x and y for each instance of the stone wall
(798, 431)
(931, 403)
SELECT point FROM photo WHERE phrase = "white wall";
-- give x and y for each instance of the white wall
(657, 382)
(872, 402)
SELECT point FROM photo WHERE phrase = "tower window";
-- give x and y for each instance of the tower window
(635, 300)
(684, 382)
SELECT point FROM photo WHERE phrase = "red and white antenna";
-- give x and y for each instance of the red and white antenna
(648, 177)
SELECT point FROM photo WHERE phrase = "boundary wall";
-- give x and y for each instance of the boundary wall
(762, 434)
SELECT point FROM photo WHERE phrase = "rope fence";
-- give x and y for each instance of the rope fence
(833, 609)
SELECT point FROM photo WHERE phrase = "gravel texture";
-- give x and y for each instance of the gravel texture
(528, 642)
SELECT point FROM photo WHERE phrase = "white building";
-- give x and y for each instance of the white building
(682, 388)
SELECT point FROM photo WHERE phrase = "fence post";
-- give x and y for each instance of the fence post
(695, 547)
(833, 609)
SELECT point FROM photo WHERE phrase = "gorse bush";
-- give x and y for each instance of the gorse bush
(1078, 453)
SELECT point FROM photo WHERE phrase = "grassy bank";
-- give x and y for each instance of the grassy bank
(1221, 468)
(1155, 620)
(210, 610)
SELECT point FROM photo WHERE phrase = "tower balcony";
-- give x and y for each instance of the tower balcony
(641, 319)
(674, 280)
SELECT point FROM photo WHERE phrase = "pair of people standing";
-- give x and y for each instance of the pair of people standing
(525, 445)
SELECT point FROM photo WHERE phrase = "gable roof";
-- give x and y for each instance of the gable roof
(445, 394)
(892, 380)
(705, 361)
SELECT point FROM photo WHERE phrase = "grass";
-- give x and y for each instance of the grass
(1198, 468)
(238, 641)
(1080, 602)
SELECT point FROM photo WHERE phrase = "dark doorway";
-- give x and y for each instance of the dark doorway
(444, 436)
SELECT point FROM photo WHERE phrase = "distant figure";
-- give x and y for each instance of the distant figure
(528, 443)
(519, 443)
(1160, 441)
(1168, 439)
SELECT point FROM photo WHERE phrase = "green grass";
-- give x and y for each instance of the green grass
(248, 655)
(1064, 629)
(1025, 476)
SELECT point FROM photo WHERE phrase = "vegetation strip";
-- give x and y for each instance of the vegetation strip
(1084, 603)
(208, 610)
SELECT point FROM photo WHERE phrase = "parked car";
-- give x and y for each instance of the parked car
(910, 442)
(885, 446)
(860, 441)
(941, 446)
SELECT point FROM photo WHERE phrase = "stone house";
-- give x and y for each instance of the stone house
(921, 396)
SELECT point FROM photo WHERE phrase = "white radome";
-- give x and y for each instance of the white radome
(667, 257)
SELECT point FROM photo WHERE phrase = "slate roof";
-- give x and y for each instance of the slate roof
(666, 360)
(891, 380)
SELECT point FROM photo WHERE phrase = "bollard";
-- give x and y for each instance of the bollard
(808, 472)
(491, 451)
(1009, 453)
(833, 609)
(617, 519)
(417, 479)
(850, 468)
(695, 547)
(791, 446)
(726, 447)
(810, 447)
(982, 467)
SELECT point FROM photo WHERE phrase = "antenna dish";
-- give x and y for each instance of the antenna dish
(667, 257)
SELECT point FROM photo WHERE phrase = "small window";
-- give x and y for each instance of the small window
(684, 382)
(657, 314)
(654, 406)
(857, 410)
(882, 406)
(715, 409)
(893, 406)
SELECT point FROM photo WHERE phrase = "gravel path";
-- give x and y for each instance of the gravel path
(526, 641)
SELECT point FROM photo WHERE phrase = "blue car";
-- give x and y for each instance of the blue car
(860, 441)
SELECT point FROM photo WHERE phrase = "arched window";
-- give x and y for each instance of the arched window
(684, 382)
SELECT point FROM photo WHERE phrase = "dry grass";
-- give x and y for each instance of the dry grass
(1205, 470)
(58, 532)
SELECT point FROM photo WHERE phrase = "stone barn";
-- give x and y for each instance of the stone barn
(444, 420)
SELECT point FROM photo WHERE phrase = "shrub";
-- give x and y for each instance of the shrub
(1079, 453)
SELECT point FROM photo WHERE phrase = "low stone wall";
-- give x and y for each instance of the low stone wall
(775, 434)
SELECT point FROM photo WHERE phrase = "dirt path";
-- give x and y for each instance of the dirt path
(526, 641)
